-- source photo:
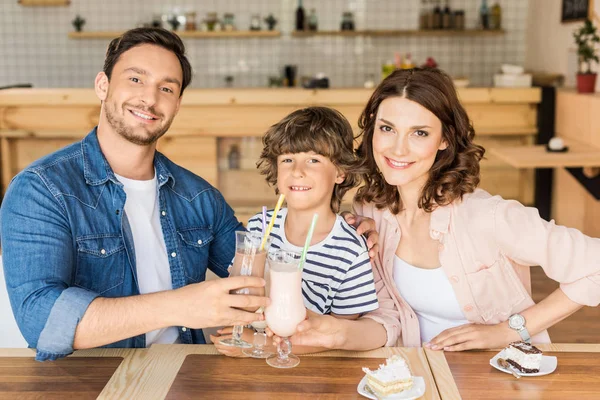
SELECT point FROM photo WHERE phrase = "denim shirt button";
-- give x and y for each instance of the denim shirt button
(199, 241)
(102, 251)
(163, 213)
(173, 254)
(183, 329)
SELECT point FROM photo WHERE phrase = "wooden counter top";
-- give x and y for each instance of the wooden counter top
(259, 96)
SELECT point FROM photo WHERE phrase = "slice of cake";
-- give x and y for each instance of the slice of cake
(525, 357)
(392, 377)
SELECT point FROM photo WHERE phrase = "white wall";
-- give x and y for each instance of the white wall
(550, 45)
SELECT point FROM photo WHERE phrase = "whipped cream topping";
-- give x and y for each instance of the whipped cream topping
(395, 368)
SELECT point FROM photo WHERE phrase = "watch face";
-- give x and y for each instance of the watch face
(516, 321)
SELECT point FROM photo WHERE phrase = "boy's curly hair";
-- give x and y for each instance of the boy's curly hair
(455, 170)
(320, 129)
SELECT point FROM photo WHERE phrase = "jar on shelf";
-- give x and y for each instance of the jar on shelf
(347, 21)
(459, 19)
(190, 21)
(228, 22)
(255, 22)
(211, 20)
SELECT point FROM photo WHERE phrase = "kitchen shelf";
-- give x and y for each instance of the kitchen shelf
(414, 33)
(183, 34)
(44, 3)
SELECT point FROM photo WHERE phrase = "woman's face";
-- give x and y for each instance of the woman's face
(406, 140)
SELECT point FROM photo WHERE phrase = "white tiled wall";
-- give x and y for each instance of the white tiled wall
(34, 47)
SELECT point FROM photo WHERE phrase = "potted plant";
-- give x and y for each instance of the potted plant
(586, 39)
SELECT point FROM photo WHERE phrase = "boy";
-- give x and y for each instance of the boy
(308, 156)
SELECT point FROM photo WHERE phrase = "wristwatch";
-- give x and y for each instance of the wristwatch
(517, 323)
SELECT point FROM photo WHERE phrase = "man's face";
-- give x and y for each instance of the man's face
(142, 97)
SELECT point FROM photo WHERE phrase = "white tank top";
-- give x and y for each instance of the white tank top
(430, 295)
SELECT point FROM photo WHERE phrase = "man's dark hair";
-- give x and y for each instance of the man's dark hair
(156, 36)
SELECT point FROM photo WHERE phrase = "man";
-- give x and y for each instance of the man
(96, 235)
(106, 242)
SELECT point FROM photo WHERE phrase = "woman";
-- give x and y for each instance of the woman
(453, 266)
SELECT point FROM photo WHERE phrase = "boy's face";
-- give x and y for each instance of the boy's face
(142, 97)
(307, 180)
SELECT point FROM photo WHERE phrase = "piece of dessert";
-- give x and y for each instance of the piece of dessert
(392, 377)
(525, 357)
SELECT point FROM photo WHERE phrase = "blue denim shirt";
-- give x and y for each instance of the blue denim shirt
(66, 240)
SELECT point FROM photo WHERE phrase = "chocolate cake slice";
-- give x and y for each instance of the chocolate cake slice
(525, 357)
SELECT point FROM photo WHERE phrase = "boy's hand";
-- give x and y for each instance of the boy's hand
(364, 226)
(230, 351)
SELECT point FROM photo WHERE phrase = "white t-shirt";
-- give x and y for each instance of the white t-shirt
(430, 295)
(151, 260)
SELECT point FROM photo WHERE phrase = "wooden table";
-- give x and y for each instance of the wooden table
(194, 371)
(468, 375)
(155, 373)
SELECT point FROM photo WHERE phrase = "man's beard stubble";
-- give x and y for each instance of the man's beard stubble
(117, 122)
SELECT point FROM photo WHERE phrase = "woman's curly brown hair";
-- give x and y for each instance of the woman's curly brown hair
(320, 129)
(455, 170)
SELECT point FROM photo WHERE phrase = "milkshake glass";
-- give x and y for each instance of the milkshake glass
(287, 309)
(249, 261)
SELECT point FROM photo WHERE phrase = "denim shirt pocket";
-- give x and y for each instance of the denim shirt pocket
(195, 251)
(496, 289)
(101, 262)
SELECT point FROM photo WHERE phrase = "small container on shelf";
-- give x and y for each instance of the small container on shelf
(255, 22)
(313, 21)
(347, 21)
(190, 21)
(233, 157)
(229, 22)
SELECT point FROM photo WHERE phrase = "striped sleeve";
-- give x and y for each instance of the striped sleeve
(356, 294)
(255, 223)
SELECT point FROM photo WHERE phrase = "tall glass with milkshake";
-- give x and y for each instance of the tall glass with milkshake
(287, 309)
(250, 259)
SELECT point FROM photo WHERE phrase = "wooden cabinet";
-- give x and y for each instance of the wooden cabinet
(35, 122)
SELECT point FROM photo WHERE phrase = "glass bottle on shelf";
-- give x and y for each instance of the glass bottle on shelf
(300, 23)
(447, 16)
(437, 17)
(484, 15)
(233, 157)
(313, 21)
(424, 16)
(496, 16)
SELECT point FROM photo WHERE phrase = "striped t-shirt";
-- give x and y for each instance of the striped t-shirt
(337, 276)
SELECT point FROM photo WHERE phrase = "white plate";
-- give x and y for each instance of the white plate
(417, 390)
(547, 366)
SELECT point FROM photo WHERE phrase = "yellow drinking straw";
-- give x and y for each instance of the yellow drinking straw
(273, 218)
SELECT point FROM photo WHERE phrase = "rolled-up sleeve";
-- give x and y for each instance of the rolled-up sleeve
(566, 255)
(38, 258)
